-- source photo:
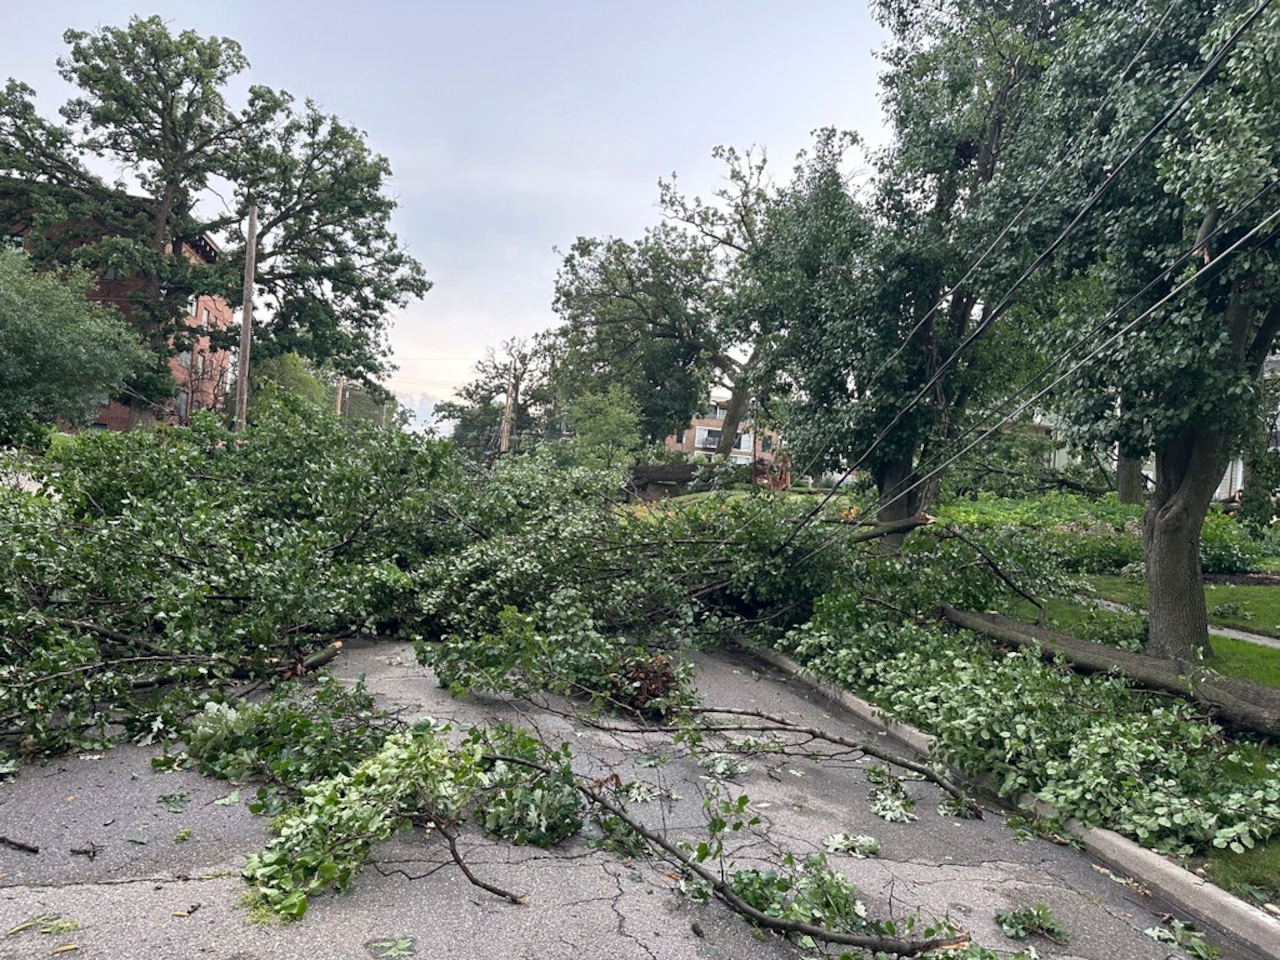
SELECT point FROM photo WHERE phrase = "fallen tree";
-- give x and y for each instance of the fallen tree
(1238, 703)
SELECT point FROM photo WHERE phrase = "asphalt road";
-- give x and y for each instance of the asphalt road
(143, 865)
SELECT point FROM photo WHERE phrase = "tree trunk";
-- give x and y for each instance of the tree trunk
(739, 401)
(1188, 470)
(1241, 704)
(898, 501)
(1129, 480)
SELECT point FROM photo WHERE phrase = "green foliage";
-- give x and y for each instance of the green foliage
(1038, 919)
(1084, 743)
(523, 804)
(1225, 546)
(159, 566)
(552, 586)
(327, 261)
(327, 838)
(510, 783)
(285, 373)
(606, 427)
(1101, 536)
(292, 738)
(61, 357)
(1184, 935)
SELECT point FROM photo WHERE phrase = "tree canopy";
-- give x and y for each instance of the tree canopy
(61, 356)
(157, 104)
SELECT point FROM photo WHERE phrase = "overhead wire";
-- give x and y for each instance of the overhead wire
(1075, 368)
(1223, 50)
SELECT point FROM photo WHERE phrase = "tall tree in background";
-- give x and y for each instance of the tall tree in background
(516, 369)
(642, 316)
(670, 315)
(154, 104)
(890, 336)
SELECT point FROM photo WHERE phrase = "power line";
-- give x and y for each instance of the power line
(1040, 260)
(1067, 152)
(1022, 408)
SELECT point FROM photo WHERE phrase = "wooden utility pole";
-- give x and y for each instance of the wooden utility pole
(342, 385)
(504, 436)
(246, 322)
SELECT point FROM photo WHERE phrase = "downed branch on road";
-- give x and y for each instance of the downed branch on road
(775, 724)
(720, 885)
(1238, 703)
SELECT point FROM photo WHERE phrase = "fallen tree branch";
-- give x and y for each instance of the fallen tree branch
(19, 845)
(1238, 703)
(114, 636)
(722, 889)
(876, 531)
(1042, 617)
(870, 749)
(451, 838)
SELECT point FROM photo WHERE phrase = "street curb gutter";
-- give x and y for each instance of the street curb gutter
(1247, 925)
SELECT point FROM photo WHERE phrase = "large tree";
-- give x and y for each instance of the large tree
(514, 372)
(671, 314)
(61, 355)
(1181, 381)
(894, 321)
(155, 105)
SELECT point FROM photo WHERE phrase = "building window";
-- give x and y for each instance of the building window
(680, 439)
(766, 443)
(184, 359)
(200, 362)
(204, 316)
(17, 241)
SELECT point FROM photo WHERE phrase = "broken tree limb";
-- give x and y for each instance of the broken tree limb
(451, 838)
(720, 886)
(870, 749)
(876, 531)
(21, 845)
(1042, 617)
(1238, 703)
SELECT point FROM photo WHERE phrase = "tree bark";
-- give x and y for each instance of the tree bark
(739, 400)
(1129, 480)
(1188, 470)
(898, 499)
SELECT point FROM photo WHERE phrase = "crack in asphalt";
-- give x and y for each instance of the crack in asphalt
(621, 926)
(123, 881)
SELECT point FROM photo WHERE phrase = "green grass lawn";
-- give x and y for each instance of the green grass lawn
(1253, 876)
(1232, 658)
(1255, 609)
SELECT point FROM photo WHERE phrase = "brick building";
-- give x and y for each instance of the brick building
(202, 374)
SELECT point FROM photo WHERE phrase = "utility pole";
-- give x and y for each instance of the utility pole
(246, 321)
(342, 385)
(504, 437)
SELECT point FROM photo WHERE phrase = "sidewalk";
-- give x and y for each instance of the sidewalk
(146, 894)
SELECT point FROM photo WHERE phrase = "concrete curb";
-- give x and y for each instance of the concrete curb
(1212, 906)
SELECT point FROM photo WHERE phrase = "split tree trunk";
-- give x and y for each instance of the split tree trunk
(739, 398)
(1188, 470)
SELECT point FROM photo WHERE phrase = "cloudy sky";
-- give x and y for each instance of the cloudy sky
(514, 126)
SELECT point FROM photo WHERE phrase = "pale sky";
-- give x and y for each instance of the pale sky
(515, 127)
